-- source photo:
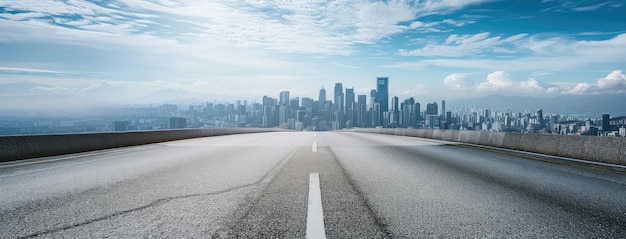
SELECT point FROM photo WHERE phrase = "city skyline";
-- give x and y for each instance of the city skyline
(83, 54)
(345, 110)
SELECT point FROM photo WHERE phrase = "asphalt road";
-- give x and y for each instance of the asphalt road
(257, 186)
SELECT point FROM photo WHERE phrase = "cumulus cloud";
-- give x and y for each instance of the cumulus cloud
(500, 82)
(458, 81)
(503, 82)
(613, 83)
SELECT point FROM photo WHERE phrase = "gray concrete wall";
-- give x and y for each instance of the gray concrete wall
(34, 146)
(611, 150)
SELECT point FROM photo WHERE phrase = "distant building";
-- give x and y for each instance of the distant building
(121, 125)
(284, 98)
(606, 126)
(382, 98)
(540, 119)
(178, 123)
(432, 115)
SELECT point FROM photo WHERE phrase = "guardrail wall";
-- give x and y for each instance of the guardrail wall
(33, 146)
(611, 150)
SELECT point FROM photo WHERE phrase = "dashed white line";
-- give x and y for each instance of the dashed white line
(315, 212)
(314, 147)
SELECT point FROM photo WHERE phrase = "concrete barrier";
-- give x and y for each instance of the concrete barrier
(603, 149)
(611, 150)
(33, 146)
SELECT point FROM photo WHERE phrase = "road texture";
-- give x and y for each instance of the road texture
(257, 186)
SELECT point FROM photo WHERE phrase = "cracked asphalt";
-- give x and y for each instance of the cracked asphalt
(255, 186)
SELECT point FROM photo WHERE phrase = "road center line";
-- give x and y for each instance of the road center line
(315, 213)
(314, 146)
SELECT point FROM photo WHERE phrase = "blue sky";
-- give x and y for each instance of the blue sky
(123, 51)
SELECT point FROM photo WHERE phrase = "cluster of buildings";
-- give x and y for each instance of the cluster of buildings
(334, 109)
(342, 108)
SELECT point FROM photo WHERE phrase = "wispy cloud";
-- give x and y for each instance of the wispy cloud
(466, 45)
(19, 70)
(579, 6)
(550, 54)
(288, 26)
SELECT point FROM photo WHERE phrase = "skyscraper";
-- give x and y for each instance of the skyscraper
(540, 119)
(322, 97)
(349, 99)
(382, 97)
(606, 125)
(443, 107)
(361, 110)
(178, 123)
(338, 100)
(349, 109)
(338, 110)
(432, 115)
(394, 113)
(284, 98)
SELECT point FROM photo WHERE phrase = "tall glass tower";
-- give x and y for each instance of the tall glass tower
(382, 98)
(338, 97)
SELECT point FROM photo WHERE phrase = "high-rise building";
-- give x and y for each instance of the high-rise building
(349, 108)
(294, 103)
(270, 116)
(361, 110)
(178, 123)
(606, 126)
(284, 98)
(394, 113)
(349, 99)
(338, 110)
(432, 115)
(418, 113)
(338, 100)
(443, 107)
(382, 98)
(322, 96)
(540, 119)
(432, 109)
(121, 125)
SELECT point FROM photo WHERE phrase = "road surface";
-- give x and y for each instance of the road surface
(264, 185)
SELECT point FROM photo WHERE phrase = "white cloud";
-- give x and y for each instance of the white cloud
(458, 81)
(286, 26)
(501, 82)
(498, 80)
(613, 83)
(446, 6)
(417, 89)
(579, 6)
(465, 45)
(21, 70)
(548, 55)
(422, 25)
(458, 23)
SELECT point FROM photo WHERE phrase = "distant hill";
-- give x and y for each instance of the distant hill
(566, 104)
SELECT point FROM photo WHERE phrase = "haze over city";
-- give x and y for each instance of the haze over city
(72, 54)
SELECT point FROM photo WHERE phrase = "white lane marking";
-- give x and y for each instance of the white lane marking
(314, 147)
(314, 134)
(315, 212)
